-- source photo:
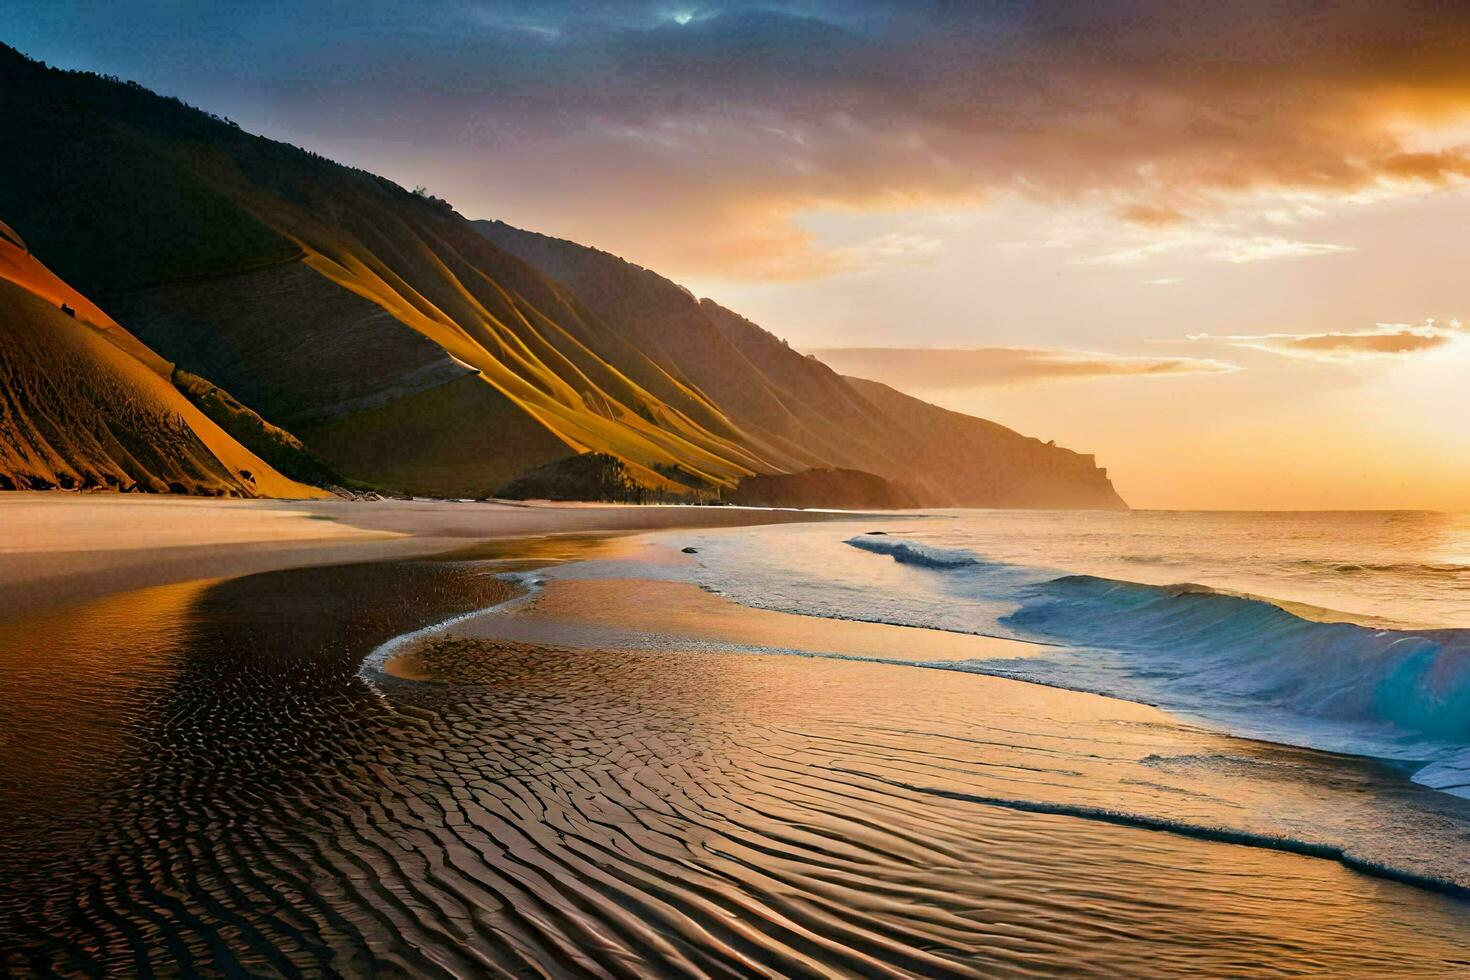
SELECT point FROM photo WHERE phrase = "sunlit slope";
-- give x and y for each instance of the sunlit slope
(19, 266)
(318, 292)
(799, 419)
(796, 409)
(84, 404)
(402, 345)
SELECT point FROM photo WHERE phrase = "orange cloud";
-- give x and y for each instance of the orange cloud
(1152, 215)
(697, 143)
(1385, 340)
(991, 366)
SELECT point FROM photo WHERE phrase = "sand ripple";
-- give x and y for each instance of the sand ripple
(546, 810)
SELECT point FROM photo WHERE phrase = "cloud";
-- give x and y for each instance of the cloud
(1210, 243)
(694, 138)
(1386, 340)
(1262, 248)
(1152, 215)
(992, 366)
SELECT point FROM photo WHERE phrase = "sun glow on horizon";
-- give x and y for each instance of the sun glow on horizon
(1299, 209)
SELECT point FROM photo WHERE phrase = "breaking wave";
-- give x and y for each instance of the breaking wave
(1244, 661)
(914, 553)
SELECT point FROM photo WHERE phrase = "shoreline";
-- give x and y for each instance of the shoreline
(683, 615)
(45, 561)
(464, 652)
(633, 773)
(636, 616)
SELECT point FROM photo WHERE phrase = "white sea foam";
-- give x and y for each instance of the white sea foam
(372, 669)
(1245, 663)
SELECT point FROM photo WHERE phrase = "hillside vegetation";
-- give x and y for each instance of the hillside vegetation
(84, 405)
(406, 347)
(795, 409)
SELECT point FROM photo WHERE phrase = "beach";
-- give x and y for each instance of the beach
(58, 547)
(531, 743)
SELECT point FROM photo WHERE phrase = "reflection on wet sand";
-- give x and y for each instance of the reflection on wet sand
(640, 612)
(806, 815)
(570, 809)
(158, 736)
(74, 678)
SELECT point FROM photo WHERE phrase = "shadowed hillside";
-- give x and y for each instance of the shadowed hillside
(595, 476)
(399, 344)
(846, 489)
(985, 464)
(271, 443)
(797, 409)
(84, 405)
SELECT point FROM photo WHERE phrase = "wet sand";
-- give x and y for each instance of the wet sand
(798, 816)
(619, 777)
(57, 548)
(641, 612)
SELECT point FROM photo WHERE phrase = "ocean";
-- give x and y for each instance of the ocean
(1342, 631)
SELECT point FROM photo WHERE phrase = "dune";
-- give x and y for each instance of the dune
(20, 267)
(87, 405)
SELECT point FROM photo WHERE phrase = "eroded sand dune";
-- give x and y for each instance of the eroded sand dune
(87, 405)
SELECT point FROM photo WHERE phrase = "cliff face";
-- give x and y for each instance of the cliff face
(961, 461)
(408, 348)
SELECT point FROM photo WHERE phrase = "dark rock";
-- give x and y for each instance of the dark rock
(851, 489)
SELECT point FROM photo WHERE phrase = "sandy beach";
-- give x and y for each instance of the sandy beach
(59, 547)
(868, 816)
(594, 767)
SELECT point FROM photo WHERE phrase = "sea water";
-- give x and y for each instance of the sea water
(1348, 632)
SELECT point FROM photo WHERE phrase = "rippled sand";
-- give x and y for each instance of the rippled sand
(198, 779)
(811, 815)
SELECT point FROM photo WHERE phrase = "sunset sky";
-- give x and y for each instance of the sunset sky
(1221, 246)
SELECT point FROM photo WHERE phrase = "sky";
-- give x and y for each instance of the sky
(1223, 247)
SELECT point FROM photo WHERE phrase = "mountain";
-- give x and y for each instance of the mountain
(797, 411)
(84, 404)
(406, 348)
(986, 464)
(842, 489)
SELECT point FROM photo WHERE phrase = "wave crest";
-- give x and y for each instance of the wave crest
(1262, 667)
(1208, 644)
(914, 553)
